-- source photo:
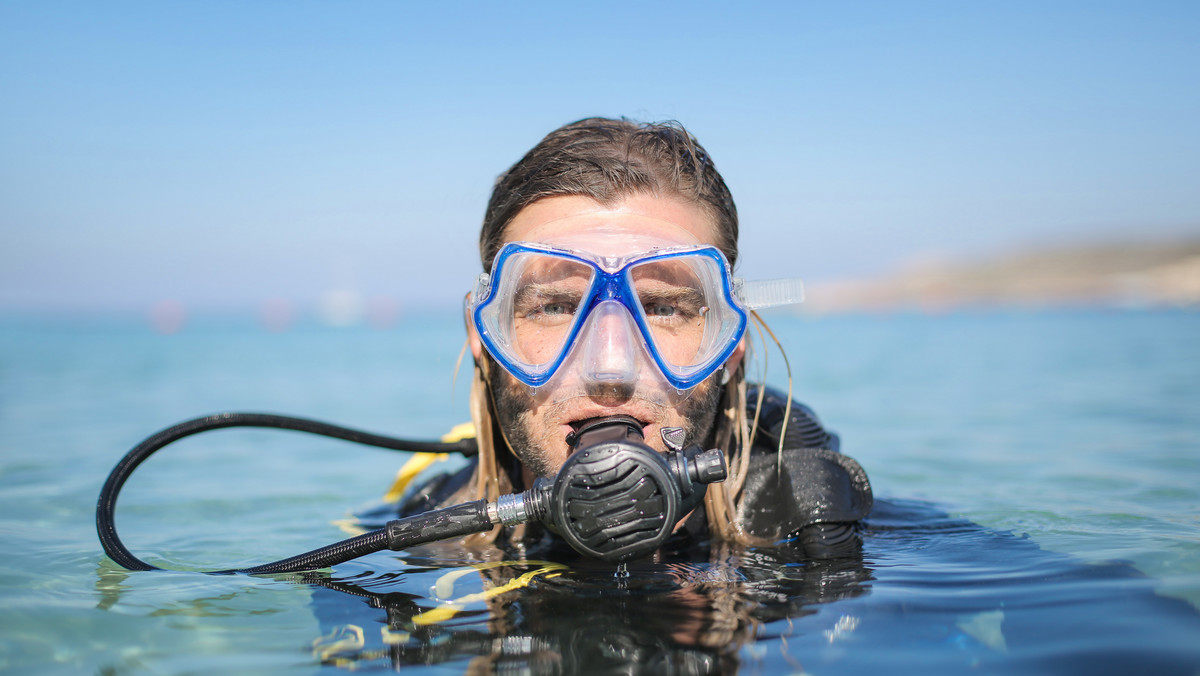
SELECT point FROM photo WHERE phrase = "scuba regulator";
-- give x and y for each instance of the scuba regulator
(615, 498)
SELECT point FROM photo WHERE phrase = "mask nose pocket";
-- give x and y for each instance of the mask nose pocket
(610, 344)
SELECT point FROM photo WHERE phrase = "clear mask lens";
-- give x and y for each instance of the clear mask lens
(671, 309)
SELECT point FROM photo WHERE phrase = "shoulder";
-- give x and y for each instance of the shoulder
(803, 430)
(807, 482)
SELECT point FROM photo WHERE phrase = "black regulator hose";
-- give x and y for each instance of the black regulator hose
(438, 524)
(615, 498)
(106, 507)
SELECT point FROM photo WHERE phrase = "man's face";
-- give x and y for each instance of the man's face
(537, 422)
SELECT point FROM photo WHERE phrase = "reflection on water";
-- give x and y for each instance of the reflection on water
(589, 617)
(928, 591)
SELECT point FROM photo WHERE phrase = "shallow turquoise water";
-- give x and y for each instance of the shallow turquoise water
(1077, 430)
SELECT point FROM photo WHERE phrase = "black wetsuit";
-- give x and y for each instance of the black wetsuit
(811, 494)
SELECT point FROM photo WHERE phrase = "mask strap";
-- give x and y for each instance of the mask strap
(756, 295)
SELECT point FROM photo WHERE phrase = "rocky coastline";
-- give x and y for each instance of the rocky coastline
(1106, 275)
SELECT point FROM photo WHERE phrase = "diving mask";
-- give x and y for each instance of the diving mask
(681, 304)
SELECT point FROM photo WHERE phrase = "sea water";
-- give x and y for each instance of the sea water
(1037, 478)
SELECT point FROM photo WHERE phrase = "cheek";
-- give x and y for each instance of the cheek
(521, 416)
(735, 359)
(536, 344)
(511, 396)
(700, 411)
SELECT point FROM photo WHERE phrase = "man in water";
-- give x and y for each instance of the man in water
(608, 250)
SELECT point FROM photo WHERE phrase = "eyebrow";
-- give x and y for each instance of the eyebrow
(536, 290)
(672, 293)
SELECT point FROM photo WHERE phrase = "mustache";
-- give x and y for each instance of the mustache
(580, 406)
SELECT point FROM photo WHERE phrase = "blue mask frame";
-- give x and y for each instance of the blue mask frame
(606, 286)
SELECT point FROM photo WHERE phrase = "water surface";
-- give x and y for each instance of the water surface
(1038, 479)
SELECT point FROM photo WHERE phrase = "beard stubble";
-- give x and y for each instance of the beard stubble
(515, 405)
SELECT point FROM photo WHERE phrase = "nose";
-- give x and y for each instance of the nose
(610, 362)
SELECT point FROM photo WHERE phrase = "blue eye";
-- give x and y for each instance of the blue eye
(660, 310)
(558, 309)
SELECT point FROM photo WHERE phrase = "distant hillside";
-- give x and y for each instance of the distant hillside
(1105, 275)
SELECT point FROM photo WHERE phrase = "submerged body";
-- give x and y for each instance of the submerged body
(927, 593)
(842, 582)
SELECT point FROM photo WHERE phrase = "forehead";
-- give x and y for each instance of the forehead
(635, 224)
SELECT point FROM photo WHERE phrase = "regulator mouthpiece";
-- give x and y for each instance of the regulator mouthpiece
(617, 499)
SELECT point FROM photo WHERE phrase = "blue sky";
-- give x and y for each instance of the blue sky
(224, 153)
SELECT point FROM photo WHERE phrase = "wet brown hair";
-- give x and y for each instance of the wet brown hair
(608, 160)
